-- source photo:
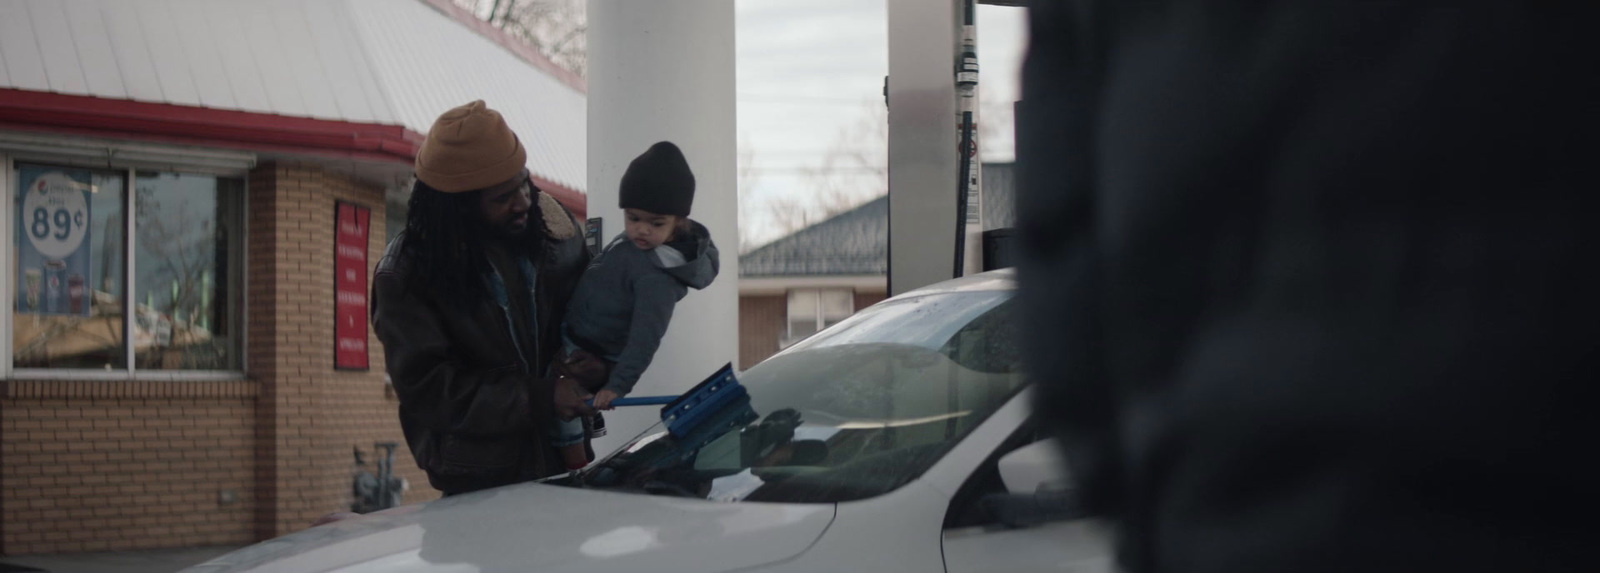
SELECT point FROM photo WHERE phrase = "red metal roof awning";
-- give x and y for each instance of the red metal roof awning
(190, 125)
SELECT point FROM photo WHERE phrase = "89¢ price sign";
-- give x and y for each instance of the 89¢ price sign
(54, 263)
(55, 216)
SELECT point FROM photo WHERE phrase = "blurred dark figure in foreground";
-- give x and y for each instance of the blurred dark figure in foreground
(1314, 284)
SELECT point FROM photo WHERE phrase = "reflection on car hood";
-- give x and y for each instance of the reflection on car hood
(536, 527)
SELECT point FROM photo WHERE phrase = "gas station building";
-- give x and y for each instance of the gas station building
(197, 197)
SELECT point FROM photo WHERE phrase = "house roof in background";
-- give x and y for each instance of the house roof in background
(373, 62)
(855, 242)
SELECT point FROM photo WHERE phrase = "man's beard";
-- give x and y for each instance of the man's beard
(509, 230)
(514, 238)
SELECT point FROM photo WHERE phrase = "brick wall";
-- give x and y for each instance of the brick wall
(360, 408)
(761, 324)
(311, 415)
(763, 321)
(106, 465)
(866, 299)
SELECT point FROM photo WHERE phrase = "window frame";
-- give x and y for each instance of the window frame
(99, 158)
(6, 280)
(820, 317)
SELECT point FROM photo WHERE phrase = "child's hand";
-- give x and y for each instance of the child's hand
(602, 400)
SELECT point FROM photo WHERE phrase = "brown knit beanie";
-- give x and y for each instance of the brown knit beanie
(470, 148)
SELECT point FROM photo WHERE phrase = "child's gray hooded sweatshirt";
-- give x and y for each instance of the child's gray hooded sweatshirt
(624, 300)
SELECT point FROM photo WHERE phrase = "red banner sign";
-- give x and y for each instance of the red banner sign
(350, 287)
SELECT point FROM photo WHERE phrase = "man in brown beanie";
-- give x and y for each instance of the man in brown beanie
(468, 301)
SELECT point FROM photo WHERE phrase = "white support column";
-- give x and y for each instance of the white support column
(665, 71)
(924, 160)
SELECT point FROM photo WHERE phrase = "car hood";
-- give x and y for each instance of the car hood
(536, 527)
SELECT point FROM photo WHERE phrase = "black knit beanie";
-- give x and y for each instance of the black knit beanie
(659, 181)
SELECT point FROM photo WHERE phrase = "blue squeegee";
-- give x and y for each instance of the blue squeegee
(641, 401)
(682, 413)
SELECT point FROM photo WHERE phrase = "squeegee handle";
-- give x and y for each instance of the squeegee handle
(641, 401)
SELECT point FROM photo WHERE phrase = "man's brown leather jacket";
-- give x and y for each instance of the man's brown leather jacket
(474, 408)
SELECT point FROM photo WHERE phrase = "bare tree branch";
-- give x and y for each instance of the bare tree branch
(854, 170)
(745, 188)
(496, 15)
(789, 214)
(851, 172)
(557, 28)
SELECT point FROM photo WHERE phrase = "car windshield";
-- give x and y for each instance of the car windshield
(853, 412)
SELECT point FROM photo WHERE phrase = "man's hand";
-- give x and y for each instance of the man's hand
(590, 370)
(569, 399)
(602, 401)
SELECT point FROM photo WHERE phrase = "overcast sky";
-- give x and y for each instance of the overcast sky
(811, 75)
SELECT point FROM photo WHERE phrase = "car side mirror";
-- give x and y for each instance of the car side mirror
(1039, 487)
(1035, 467)
(809, 452)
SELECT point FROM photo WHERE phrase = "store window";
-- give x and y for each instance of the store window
(69, 248)
(811, 310)
(73, 288)
(185, 237)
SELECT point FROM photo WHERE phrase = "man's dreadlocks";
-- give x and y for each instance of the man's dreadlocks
(444, 242)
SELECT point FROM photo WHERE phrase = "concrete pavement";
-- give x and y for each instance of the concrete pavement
(152, 561)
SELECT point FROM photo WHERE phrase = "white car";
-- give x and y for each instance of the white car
(898, 440)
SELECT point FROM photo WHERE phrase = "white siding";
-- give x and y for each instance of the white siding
(288, 57)
(199, 42)
(276, 71)
(95, 54)
(330, 30)
(166, 52)
(24, 65)
(138, 69)
(431, 63)
(308, 74)
(5, 77)
(56, 48)
(237, 56)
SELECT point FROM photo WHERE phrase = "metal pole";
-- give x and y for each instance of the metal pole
(923, 151)
(967, 107)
